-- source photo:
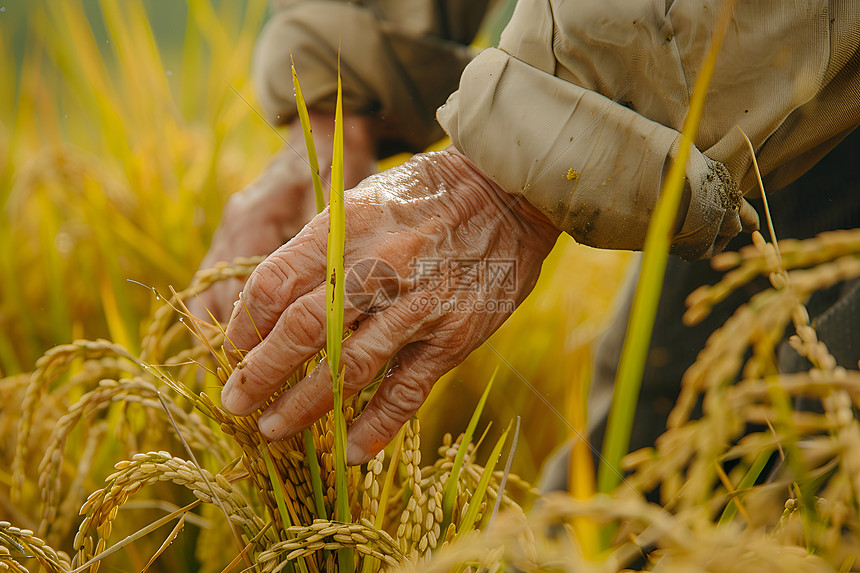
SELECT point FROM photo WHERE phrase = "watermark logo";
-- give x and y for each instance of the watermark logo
(372, 285)
(460, 284)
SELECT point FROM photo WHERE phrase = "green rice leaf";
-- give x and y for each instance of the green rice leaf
(747, 482)
(334, 254)
(278, 490)
(656, 253)
(305, 120)
(475, 503)
(314, 468)
(334, 322)
(450, 493)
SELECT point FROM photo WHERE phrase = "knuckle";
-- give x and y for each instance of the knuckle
(306, 320)
(382, 427)
(360, 368)
(399, 318)
(267, 367)
(265, 288)
(403, 398)
(235, 203)
(423, 370)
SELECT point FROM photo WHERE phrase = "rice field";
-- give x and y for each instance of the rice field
(119, 146)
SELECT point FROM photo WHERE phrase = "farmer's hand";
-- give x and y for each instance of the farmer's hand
(272, 209)
(436, 253)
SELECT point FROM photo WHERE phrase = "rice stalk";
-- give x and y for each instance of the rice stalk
(334, 319)
(109, 392)
(330, 536)
(816, 468)
(49, 368)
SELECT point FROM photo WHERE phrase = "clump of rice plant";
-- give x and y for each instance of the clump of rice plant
(275, 502)
(753, 482)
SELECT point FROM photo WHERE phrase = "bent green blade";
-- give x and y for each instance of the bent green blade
(637, 341)
(305, 120)
(450, 492)
(481, 489)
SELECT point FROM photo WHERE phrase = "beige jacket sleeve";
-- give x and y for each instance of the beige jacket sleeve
(580, 108)
(400, 59)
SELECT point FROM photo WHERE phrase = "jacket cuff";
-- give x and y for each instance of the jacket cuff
(591, 165)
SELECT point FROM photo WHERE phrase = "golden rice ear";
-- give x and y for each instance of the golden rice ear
(26, 542)
(101, 508)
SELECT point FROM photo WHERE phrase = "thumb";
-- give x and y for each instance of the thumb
(749, 217)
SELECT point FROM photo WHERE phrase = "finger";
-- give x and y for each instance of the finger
(363, 355)
(749, 217)
(396, 400)
(290, 272)
(297, 336)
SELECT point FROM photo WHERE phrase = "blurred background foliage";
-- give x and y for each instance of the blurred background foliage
(124, 127)
(119, 150)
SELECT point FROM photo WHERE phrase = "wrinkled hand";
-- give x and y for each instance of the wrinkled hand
(272, 209)
(437, 257)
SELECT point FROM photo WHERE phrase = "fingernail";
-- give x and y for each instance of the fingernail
(273, 425)
(355, 455)
(234, 399)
